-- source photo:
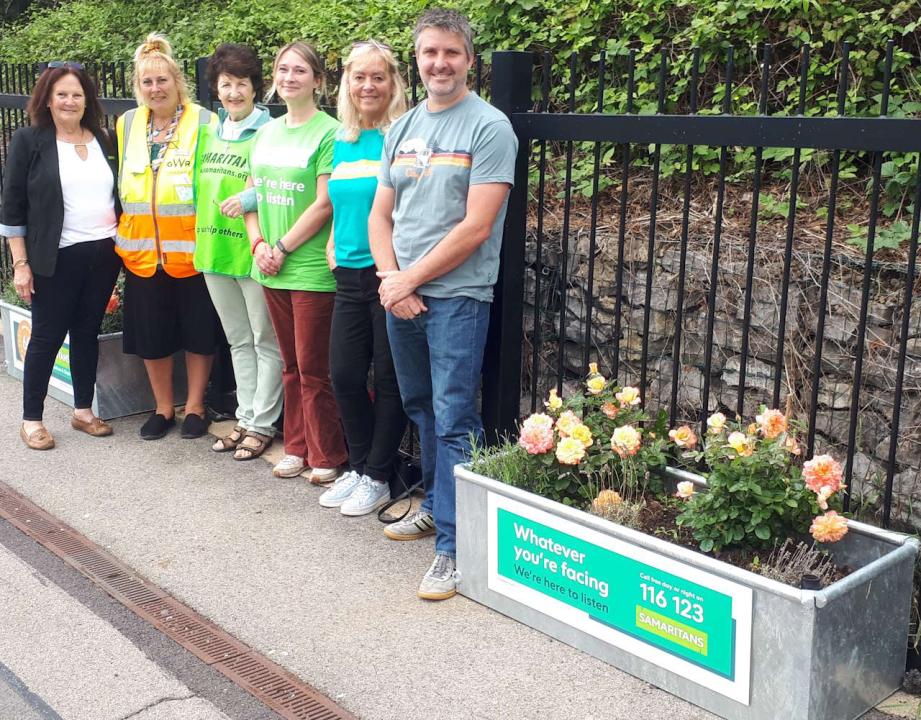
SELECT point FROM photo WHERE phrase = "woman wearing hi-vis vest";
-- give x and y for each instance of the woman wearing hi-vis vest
(167, 307)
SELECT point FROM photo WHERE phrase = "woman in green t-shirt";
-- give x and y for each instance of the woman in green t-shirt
(289, 165)
(222, 250)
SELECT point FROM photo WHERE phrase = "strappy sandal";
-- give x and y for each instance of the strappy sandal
(230, 441)
(252, 446)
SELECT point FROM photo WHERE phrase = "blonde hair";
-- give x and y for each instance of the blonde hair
(156, 53)
(308, 55)
(348, 113)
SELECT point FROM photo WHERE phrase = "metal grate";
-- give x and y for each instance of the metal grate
(265, 680)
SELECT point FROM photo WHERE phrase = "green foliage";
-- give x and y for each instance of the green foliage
(91, 31)
(755, 495)
(653, 29)
(9, 295)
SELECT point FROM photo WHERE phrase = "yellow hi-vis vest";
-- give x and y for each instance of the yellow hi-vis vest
(157, 226)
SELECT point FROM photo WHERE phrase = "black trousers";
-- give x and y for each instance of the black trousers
(72, 300)
(358, 341)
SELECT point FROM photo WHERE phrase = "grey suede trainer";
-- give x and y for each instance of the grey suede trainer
(418, 525)
(440, 582)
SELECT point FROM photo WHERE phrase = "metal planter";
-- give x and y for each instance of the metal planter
(121, 380)
(733, 642)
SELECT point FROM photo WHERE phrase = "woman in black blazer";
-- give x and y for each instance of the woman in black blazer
(59, 214)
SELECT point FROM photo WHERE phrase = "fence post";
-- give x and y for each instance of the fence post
(203, 94)
(511, 93)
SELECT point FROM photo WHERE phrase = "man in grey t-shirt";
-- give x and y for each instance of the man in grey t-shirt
(435, 232)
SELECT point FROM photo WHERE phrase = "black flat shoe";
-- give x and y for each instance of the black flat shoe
(156, 427)
(193, 426)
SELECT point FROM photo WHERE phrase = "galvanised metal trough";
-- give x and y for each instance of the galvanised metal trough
(736, 643)
(122, 387)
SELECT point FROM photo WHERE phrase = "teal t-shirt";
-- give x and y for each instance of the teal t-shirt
(351, 190)
(284, 164)
(430, 160)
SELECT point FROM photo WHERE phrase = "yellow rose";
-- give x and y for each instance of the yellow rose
(740, 443)
(567, 422)
(595, 384)
(716, 422)
(625, 441)
(582, 434)
(628, 396)
(554, 402)
(569, 451)
(685, 490)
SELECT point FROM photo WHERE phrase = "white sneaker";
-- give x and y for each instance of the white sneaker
(320, 476)
(289, 466)
(367, 496)
(340, 490)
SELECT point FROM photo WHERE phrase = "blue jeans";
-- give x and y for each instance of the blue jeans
(438, 357)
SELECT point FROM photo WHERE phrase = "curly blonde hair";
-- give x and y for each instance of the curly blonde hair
(349, 115)
(155, 53)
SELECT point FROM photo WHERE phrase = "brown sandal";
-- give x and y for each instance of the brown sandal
(229, 442)
(252, 446)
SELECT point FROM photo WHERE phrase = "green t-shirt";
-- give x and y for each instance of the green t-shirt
(221, 169)
(285, 163)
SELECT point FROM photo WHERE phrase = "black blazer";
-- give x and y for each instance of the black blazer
(32, 193)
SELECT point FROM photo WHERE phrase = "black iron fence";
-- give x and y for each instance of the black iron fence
(759, 283)
(722, 289)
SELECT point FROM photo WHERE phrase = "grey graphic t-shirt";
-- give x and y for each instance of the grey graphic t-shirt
(430, 160)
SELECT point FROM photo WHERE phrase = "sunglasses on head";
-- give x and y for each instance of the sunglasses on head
(370, 43)
(70, 64)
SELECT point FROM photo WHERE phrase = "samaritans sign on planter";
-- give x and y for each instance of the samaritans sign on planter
(681, 618)
(21, 323)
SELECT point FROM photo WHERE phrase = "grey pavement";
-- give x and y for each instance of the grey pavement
(65, 662)
(327, 597)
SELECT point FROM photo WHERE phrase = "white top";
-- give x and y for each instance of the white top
(89, 203)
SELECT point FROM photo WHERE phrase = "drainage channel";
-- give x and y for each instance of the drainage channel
(271, 684)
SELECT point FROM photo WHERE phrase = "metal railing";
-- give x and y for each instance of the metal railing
(715, 306)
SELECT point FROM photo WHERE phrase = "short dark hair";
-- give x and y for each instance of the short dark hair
(447, 21)
(237, 60)
(40, 114)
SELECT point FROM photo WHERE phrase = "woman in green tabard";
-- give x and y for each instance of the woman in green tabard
(289, 165)
(222, 249)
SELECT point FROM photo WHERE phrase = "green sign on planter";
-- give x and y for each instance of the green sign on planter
(681, 618)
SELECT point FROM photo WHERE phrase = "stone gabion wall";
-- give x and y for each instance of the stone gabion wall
(880, 358)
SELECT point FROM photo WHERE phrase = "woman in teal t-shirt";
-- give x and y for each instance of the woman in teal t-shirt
(222, 250)
(289, 165)
(371, 96)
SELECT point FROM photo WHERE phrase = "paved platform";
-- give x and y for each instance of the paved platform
(327, 597)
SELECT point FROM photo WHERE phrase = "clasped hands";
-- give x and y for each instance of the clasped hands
(268, 259)
(398, 295)
(232, 207)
